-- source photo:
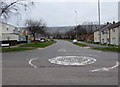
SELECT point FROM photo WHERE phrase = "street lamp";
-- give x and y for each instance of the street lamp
(76, 24)
(99, 20)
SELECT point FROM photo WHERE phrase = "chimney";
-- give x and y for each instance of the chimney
(113, 22)
(107, 23)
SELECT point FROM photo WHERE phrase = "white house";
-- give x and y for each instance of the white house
(115, 33)
(105, 35)
(8, 33)
(110, 34)
(96, 36)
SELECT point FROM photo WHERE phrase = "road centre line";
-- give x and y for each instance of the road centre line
(62, 50)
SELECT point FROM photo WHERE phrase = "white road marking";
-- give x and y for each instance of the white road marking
(30, 62)
(106, 69)
(72, 60)
(62, 50)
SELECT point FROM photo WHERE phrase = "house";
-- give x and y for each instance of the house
(108, 34)
(8, 34)
(25, 35)
(87, 37)
(97, 34)
(115, 33)
(105, 34)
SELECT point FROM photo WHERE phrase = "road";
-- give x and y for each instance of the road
(18, 68)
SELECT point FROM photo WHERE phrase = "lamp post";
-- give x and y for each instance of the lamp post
(76, 24)
(99, 17)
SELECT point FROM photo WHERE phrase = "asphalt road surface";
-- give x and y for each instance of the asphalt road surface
(33, 67)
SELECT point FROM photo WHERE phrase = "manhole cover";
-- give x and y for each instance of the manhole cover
(72, 60)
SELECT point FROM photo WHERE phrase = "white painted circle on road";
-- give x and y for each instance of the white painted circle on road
(72, 60)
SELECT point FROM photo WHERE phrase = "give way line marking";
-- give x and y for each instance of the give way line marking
(106, 69)
(30, 62)
(62, 50)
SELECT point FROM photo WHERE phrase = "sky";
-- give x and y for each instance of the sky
(62, 13)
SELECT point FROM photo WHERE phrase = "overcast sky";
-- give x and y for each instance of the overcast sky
(63, 13)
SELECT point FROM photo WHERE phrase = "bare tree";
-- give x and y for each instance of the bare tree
(9, 7)
(36, 27)
(90, 27)
(80, 30)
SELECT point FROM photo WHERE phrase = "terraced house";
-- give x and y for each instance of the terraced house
(115, 33)
(110, 34)
(8, 34)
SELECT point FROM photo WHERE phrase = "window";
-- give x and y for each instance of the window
(102, 40)
(106, 31)
(7, 28)
(103, 32)
(113, 30)
(113, 40)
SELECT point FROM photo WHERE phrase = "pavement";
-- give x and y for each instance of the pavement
(33, 68)
(94, 45)
(15, 45)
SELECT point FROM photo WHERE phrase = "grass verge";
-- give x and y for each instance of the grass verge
(112, 49)
(39, 45)
(30, 46)
(100, 44)
(81, 45)
(15, 49)
(108, 49)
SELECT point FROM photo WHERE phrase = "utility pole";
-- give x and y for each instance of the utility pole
(99, 17)
(76, 24)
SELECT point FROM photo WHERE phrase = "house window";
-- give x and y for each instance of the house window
(102, 40)
(103, 32)
(113, 30)
(106, 32)
(113, 40)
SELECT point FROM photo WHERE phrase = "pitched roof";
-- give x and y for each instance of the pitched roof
(110, 26)
(101, 27)
(114, 25)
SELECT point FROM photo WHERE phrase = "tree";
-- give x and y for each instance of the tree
(70, 34)
(80, 30)
(36, 27)
(90, 27)
(7, 7)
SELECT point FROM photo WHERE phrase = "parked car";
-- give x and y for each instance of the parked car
(42, 40)
(75, 41)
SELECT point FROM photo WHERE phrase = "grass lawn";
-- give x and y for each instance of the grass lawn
(15, 49)
(39, 45)
(69, 40)
(29, 46)
(81, 45)
(108, 49)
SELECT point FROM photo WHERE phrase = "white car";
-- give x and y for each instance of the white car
(42, 40)
(74, 41)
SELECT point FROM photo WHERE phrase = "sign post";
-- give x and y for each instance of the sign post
(9, 42)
